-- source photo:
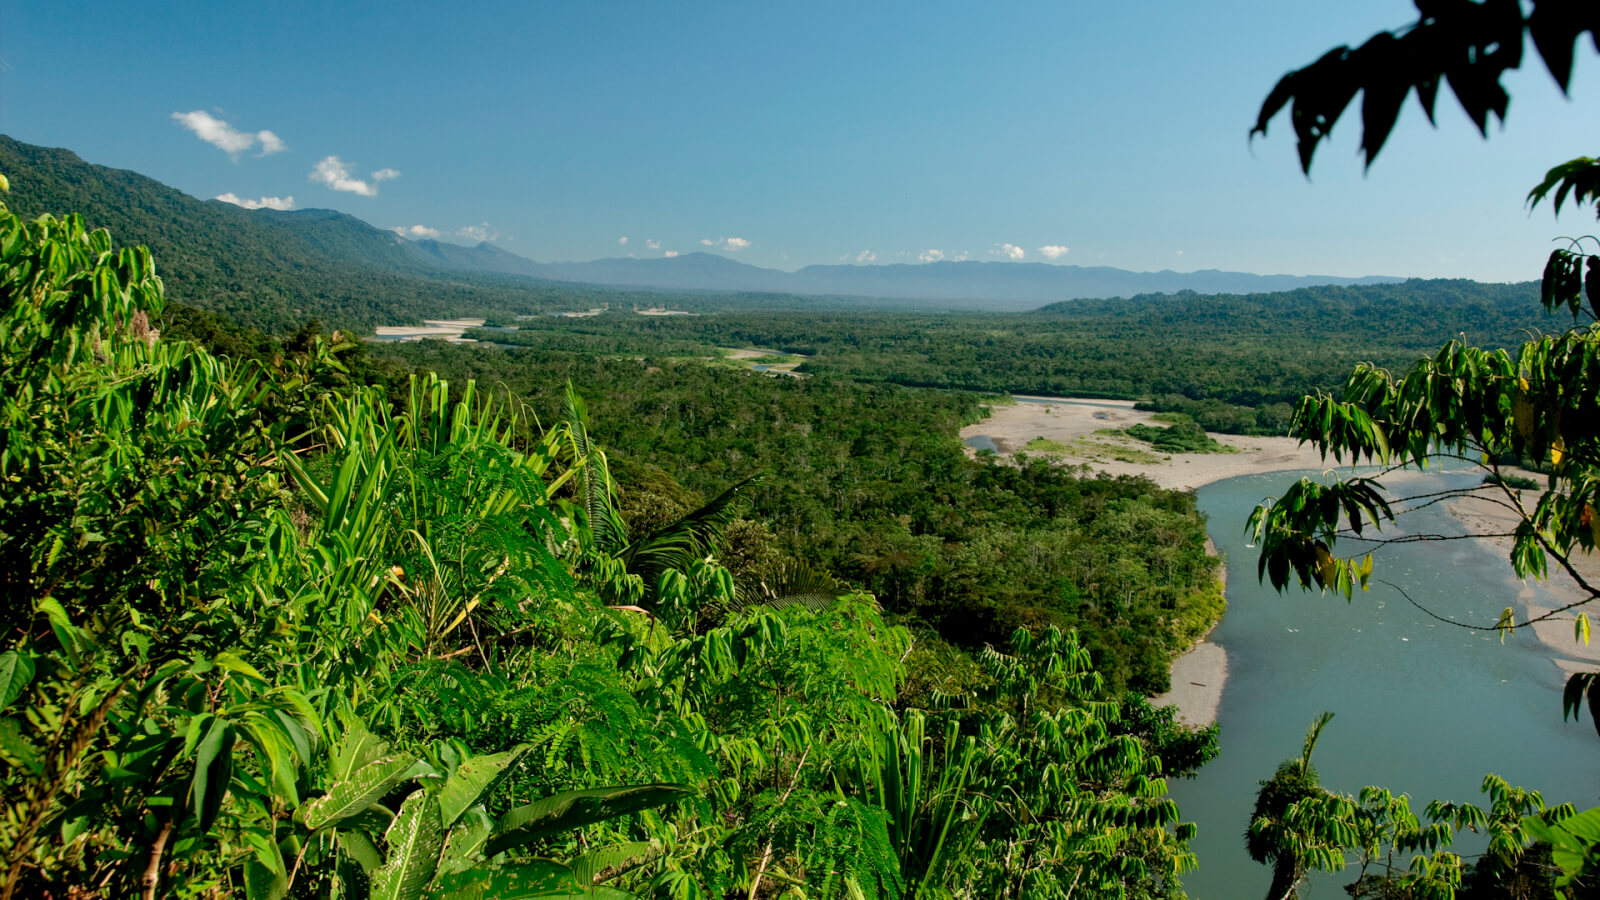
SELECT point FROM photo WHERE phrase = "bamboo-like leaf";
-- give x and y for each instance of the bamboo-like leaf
(415, 839)
(1580, 628)
(213, 771)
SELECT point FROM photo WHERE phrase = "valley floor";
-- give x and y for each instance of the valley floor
(1077, 432)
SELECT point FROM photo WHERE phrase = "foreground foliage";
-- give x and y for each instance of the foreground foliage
(272, 633)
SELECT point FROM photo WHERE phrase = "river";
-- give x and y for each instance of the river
(1420, 707)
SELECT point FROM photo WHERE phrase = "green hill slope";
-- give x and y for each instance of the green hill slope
(273, 270)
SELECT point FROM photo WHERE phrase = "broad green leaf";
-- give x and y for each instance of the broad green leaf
(356, 748)
(473, 780)
(464, 845)
(415, 840)
(233, 663)
(606, 863)
(359, 847)
(265, 876)
(353, 795)
(262, 883)
(575, 809)
(536, 878)
(16, 671)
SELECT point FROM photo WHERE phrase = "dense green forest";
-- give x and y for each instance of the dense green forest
(296, 622)
(869, 482)
(1233, 363)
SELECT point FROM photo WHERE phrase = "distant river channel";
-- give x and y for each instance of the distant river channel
(1421, 707)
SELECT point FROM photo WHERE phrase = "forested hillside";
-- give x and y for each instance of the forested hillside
(269, 269)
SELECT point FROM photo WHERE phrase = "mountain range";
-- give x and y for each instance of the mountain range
(275, 269)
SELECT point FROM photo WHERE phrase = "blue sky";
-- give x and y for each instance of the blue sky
(792, 134)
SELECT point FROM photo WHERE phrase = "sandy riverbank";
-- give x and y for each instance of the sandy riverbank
(1480, 514)
(1077, 435)
(1077, 428)
(1199, 674)
(446, 329)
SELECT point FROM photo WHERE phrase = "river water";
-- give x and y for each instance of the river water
(1420, 707)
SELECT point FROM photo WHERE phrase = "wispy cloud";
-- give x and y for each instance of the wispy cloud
(336, 174)
(417, 231)
(931, 255)
(653, 245)
(279, 203)
(1009, 251)
(866, 256)
(1054, 251)
(623, 240)
(670, 254)
(225, 137)
(479, 232)
(733, 244)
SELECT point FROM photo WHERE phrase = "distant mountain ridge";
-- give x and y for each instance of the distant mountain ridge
(1007, 285)
(276, 269)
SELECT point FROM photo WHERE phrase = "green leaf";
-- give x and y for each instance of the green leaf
(464, 845)
(18, 751)
(265, 877)
(575, 809)
(544, 879)
(606, 863)
(16, 671)
(359, 847)
(415, 840)
(352, 796)
(473, 780)
(213, 772)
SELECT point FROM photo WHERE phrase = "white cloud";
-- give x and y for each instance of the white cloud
(732, 245)
(653, 245)
(1054, 251)
(1180, 252)
(1009, 251)
(385, 174)
(417, 231)
(623, 240)
(670, 254)
(866, 256)
(335, 173)
(279, 203)
(225, 137)
(479, 232)
(931, 255)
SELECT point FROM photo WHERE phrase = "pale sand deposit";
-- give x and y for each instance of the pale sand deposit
(1074, 426)
(1480, 515)
(1198, 675)
(447, 329)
